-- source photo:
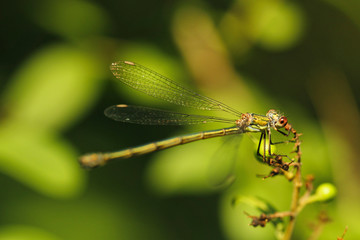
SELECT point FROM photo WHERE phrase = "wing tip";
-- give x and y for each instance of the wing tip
(109, 111)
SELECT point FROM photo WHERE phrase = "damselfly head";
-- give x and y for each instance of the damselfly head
(276, 118)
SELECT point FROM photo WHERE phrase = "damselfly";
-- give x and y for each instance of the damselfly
(158, 86)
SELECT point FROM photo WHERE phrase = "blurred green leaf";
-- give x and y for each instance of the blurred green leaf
(182, 169)
(350, 8)
(278, 25)
(53, 88)
(236, 222)
(255, 202)
(92, 216)
(43, 162)
(46, 95)
(275, 25)
(71, 19)
(21, 232)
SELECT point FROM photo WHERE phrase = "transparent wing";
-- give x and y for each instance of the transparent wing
(158, 86)
(153, 116)
(223, 162)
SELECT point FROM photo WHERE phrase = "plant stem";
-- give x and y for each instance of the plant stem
(296, 194)
(294, 203)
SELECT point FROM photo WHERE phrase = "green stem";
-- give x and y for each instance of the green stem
(294, 203)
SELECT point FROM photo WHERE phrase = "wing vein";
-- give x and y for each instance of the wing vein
(153, 116)
(158, 86)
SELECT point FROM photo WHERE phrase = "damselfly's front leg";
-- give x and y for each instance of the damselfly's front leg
(290, 130)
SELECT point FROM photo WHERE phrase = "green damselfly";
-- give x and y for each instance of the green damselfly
(158, 86)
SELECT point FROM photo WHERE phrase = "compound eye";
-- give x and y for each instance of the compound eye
(283, 121)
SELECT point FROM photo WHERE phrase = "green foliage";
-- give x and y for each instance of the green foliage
(18, 232)
(55, 61)
(44, 97)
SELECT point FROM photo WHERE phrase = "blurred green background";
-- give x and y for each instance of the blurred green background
(297, 56)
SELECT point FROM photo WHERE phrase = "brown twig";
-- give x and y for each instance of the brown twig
(265, 218)
(343, 235)
(297, 184)
(319, 227)
(297, 202)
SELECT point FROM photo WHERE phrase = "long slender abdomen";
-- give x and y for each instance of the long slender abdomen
(99, 159)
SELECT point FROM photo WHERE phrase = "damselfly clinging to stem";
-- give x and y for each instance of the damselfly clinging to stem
(156, 85)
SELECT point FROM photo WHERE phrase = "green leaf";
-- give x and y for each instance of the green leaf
(280, 25)
(40, 160)
(262, 205)
(19, 232)
(70, 19)
(183, 169)
(255, 202)
(53, 87)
